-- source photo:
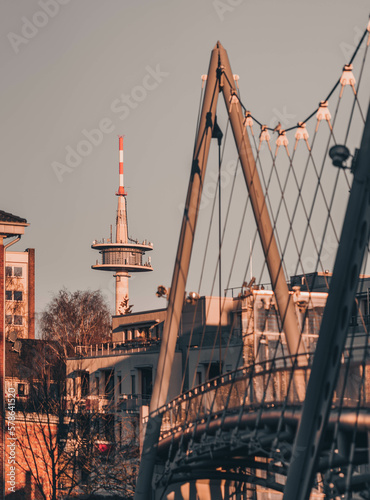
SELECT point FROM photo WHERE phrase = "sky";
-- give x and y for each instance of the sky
(77, 74)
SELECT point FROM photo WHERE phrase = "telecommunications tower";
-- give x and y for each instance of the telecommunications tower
(125, 255)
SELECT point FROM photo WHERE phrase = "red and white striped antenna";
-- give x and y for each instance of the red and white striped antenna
(121, 190)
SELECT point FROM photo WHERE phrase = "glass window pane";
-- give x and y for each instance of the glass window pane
(18, 272)
(8, 271)
(8, 295)
(18, 295)
(18, 320)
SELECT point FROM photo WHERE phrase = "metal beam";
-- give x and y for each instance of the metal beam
(219, 64)
(333, 330)
(265, 230)
(180, 274)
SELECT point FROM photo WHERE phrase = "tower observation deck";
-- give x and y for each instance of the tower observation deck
(125, 255)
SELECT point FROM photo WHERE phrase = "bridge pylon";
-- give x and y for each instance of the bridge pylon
(220, 78)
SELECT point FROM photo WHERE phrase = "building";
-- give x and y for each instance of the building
(34, 408)
(11, 226)
(20, 294)
(117, 377)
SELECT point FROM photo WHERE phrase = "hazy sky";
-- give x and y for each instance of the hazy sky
(70, 66)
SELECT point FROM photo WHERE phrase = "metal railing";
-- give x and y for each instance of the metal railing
(133, 402)
(105, 241)
(266, 384)
(115, 348)
(92, 403)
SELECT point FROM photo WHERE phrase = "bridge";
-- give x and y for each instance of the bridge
(293, 419)
(246, 421)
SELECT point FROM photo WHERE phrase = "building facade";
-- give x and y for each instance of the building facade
(11, 226)
(20, 294)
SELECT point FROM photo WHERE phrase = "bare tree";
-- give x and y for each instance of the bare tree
(69, 445)
(76, 318)
(109, 463)
(42, 422)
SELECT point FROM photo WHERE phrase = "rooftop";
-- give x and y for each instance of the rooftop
(11, 225)
(8, 217)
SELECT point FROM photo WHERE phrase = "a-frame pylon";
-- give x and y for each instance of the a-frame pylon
(220, 79)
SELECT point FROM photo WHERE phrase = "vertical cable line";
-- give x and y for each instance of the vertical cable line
(213, 283)
(219, 254)
(203, 265)
(317, 190)
(323, 238)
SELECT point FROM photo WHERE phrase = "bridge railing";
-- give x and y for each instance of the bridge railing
(268, 382)
(263, 385)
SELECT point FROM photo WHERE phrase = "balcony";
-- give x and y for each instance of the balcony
(132, 403)
(91, 404)
(124, 257)
(116, 348)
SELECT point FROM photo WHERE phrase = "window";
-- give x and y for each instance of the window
(214, 370)
(18, 320)
(21, 390)
(84, 384)
(119, 380)
(18, 272)
(8, 295)
(133, 384)
(146, 381)
(18, 295)
(261, 319)
(8, 319)
(97, 386)
(272, 320)
(8, 271)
